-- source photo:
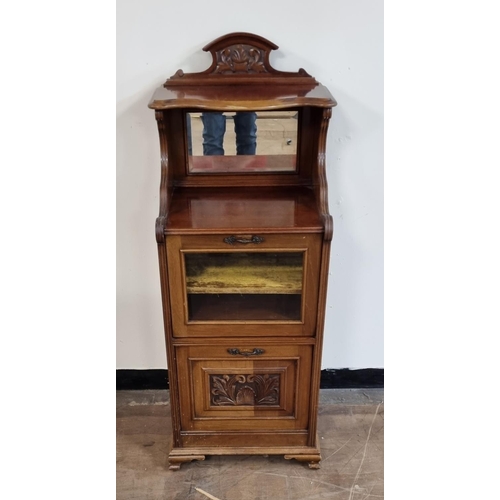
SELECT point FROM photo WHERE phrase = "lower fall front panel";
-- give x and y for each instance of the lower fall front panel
(244, 392)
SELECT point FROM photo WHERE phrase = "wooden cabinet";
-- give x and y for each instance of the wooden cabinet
(243, 238)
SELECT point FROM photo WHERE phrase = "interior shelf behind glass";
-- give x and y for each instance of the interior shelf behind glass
(263, 273)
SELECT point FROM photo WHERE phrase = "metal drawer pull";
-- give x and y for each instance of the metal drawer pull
(231, 240)
(254, 352)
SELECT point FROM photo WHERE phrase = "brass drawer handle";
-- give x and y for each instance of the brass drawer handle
(255, 352)
(231, 240)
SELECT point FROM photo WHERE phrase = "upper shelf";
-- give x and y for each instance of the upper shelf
(241, 97)
(241, 78)
(267, 210)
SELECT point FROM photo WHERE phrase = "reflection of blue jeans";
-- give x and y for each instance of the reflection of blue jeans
(214, 128)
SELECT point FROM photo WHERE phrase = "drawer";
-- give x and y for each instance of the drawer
(237, 285)
(241, 386)
(237, 241)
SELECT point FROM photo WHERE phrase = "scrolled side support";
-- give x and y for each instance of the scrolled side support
(160, 229)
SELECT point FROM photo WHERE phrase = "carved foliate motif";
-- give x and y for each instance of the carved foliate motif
(244, 390)
(240, 58)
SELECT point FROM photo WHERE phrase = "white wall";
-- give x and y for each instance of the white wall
(340, 43)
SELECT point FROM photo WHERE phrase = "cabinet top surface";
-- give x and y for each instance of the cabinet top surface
(195, 210)
(241, 97)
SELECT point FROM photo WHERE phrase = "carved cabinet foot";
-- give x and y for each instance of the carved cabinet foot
(313, 460)
(176, 461)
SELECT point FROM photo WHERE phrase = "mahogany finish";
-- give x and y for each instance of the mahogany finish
(241, 98)
(244, 341)
(243, 209)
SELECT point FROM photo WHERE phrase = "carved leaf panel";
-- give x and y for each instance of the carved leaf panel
(240, 58)
(244, 390)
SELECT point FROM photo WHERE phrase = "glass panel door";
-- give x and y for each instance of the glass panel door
(244, 286)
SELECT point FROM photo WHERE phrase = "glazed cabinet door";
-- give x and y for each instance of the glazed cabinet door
(238, 285)
(245, 388)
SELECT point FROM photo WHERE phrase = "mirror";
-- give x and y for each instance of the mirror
(239, 142)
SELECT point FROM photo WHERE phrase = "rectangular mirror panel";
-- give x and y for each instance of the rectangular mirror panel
(239, 142)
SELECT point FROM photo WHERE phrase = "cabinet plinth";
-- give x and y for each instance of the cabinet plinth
(243, 239)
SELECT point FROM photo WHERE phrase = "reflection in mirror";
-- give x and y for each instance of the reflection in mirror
(238, 142)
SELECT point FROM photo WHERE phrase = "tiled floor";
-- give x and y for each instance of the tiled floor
(350, 430)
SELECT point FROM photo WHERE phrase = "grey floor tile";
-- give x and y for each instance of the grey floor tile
(350, 430)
